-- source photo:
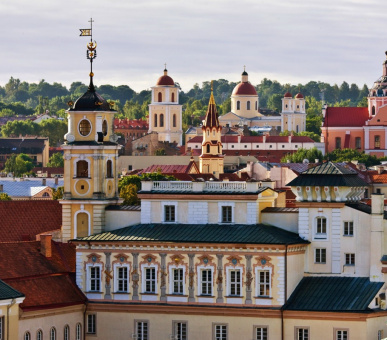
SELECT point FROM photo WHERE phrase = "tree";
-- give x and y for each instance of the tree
(18, 128)
(298, 157)
(57, 194)
(347, 155)
(6, 113)
(275, 102)
(5, 197)
(129, 194)
(54, 129)
(19, 164)
(160, 152)
(56, 161)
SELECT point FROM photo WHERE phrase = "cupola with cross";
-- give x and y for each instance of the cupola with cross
(90, 154)
(211, 159)
(165, 112)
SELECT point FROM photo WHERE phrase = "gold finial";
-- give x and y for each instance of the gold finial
(165, 66)
(244, 68)
(91, 74)
(212, 85)
(212, 99)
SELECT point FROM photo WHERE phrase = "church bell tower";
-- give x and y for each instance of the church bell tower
(90, 161)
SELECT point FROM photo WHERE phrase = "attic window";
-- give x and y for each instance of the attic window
(257, 146)
(232, 146)
(245, 146)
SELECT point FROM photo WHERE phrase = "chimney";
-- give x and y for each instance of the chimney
(56, 180)
(377, 204)
(316, 160)
(44, 182)
(45, 245)
(1, 187)
(380, 170)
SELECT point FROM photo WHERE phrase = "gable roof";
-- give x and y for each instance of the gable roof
(38, 216)
(206, 233)
(345, 116)
(339, 294)
(25, 145)
(28, 186)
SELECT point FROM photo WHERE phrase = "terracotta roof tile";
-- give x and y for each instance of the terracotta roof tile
(38, 217)
(346, 116)
(375, 177)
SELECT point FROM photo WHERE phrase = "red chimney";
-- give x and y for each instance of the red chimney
(45, 245)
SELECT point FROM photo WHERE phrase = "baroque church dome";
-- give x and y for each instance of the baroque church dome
(165, 79)
(244, 88)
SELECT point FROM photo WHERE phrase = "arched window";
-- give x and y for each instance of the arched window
(78, 332)
(27, 336)
(338, 143)
(53, 333)
(174, 120)
(173, 97)
(208, 148)
(109, 170)
(238, 105)
(39, 335)
(82, 169)
(66, 333)
(248, 105)
(159, 97)
(377, 142)
(161, 120)
(46, 194)
(155, 124)
(373, 110)
(82, 225)
(256, 105)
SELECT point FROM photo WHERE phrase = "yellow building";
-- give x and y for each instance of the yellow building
(90, 154)
(293, 115)
(165, 112)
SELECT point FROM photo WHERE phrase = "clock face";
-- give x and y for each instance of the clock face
(84, 127)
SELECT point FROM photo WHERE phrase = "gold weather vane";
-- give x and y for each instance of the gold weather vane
(91, 52)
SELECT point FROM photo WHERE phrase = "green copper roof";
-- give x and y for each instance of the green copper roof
(7, 292)
(200, 233)
(340, 294)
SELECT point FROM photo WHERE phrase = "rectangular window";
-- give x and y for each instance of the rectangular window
(264, 282)
(338, 143)
(380, 335)
(178, 281)
(206, 276)
(302, 333)
(321, 227)
(122, 279)
(169, 211)
(358, 142)
(1, 327)
(348, 228)
(341, 335)
(320, 255)
(378, 191)
(142, 332)
(150, 280)
(377, 142)
(95, 279)
(220, 332)
(350, 259)
(91, 324)
(226, 214)
(180, 330)
(235, 282)
(260, 333)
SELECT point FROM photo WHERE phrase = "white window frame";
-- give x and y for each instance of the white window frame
(78, 331)
(163, 207)
(53, 333)
(27, 336)
(320, 235)
(215, 329)
(172, 279)
(89, 279)
(228, 271)
(66, 332)
(258, 282)
(340, 335)
(348, 229)
(1, 327)
(220, 211)
(116, 269)
(303, 336)
(352, 259)
(144, 280)
(141, 336)
(319, 252)
(178, 333)
(39, 335)
(93, 319)
(261, 334)
(200, 288)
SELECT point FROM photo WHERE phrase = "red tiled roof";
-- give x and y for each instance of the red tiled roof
(375, 177)
(244, 88)
(166, 169)
(346, 116)
(299, 95)
(48, 291)
(23, 259)
(38, 217)
(130, 123)
(49, 170)
(288, 95)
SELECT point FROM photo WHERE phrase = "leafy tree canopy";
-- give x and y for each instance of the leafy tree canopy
(346, 155)
(56, 161)
(5, 197)
(19, 164)
(298, 157)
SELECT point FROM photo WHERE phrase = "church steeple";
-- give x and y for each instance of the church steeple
(211, 159)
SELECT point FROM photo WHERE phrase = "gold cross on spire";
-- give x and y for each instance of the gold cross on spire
(244, 68)
(165, 65)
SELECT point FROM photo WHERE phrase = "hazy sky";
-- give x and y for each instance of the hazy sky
(290, 41)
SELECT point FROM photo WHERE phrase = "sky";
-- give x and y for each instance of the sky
(290, 41)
